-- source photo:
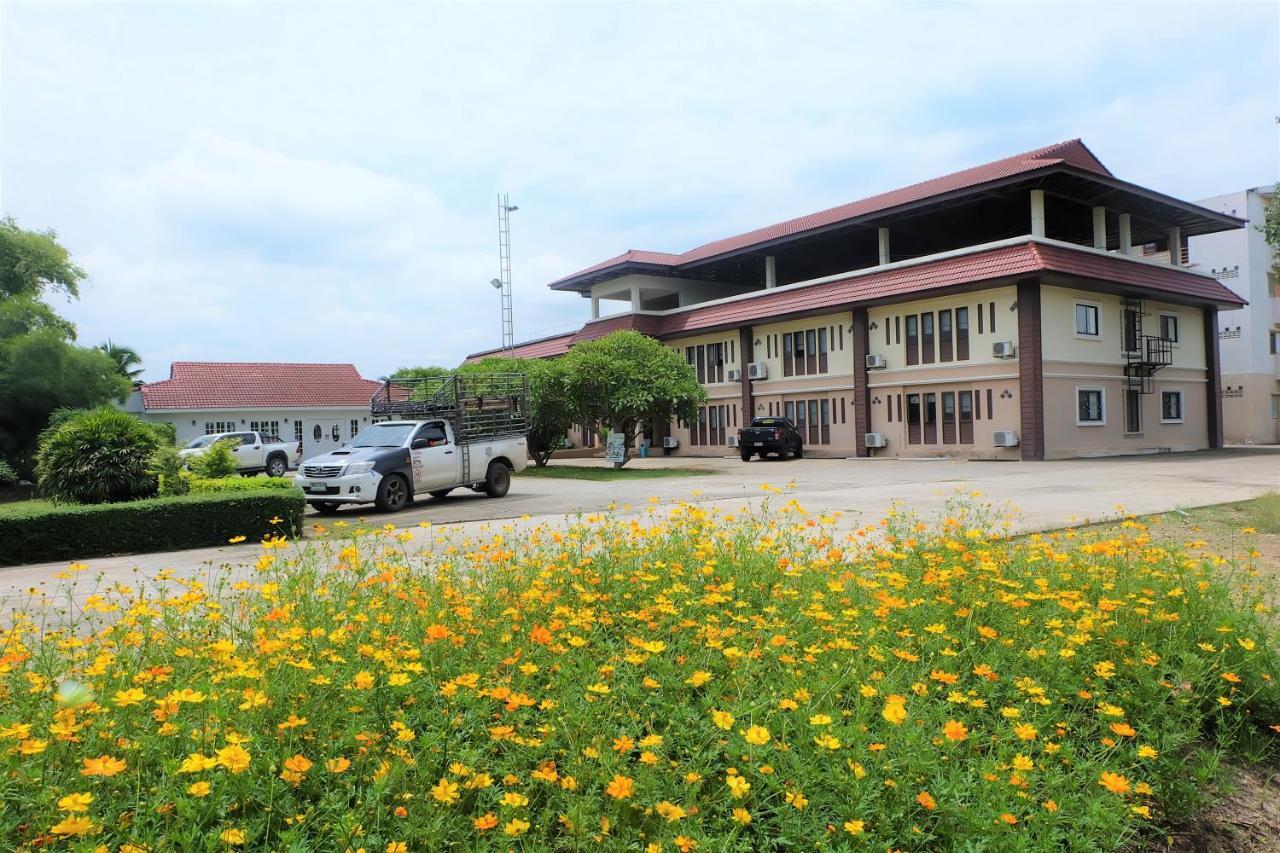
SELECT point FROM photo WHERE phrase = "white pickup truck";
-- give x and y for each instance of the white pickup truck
(390, 462)
(254, 451)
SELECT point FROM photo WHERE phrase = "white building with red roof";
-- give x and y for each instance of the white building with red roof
(320, 405)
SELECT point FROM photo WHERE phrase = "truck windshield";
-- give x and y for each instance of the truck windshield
(383, 435)
(204, 440)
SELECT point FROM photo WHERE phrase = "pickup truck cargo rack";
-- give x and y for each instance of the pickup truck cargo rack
(479, 406)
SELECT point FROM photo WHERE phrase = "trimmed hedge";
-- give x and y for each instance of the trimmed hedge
(74, 531)
(221, 485)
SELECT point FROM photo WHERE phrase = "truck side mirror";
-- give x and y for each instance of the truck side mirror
(420, 443)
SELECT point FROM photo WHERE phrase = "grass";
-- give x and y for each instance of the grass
(690, 680)
(576, 472)
(25, 507)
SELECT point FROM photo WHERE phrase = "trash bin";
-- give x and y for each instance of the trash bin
(644, 451)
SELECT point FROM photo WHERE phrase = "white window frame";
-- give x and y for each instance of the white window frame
(1097, 308)
(1182, 400)
(1177, 326)
(1102, 399)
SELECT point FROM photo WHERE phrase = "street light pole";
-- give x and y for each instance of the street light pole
(503, 282)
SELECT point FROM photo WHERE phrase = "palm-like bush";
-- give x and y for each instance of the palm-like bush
(98, 456)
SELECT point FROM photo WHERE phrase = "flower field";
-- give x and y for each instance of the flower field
(685, 680)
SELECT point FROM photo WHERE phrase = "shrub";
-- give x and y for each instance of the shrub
(8, 476)
(756, 683)
(217, 461)
(167, 466)
(64, 532)
(206, 486)
(97, 456)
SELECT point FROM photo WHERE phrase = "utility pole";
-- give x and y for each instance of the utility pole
(505, 209)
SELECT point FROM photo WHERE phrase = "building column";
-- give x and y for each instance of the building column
(1175, 246)
(1100, 228)
(1037, 213)
(1126, 240)
(861, 340)
(1030, 372)
(1213, 373)
(770, 271)
(635, 299)
(595, 307)
(746, 354)
(884, 245)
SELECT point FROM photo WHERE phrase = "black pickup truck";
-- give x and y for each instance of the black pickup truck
(770, 435)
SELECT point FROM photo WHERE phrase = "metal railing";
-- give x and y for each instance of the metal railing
(478, 406)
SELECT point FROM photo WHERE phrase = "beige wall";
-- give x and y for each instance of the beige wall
(1065, 438)
(1001, 414)
(1061, 343)
(1247, 409)
(980, 344)
(767, 341)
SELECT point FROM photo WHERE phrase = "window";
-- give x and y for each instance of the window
(966, 417)
(1171, 407)
(992, 313)
(1090, 407)
(1275, 341)
(1130, 320)
(926, 338)
(1169, 327)
(297, 430)
(944, 336)
(930, 418)
(962, 334)
(913, 339)
(1132, 411)
(1087, 320)
(212, 427)
(355, 427)
(317, 433)
(948, 417)
(265, 427)
(1275, 407)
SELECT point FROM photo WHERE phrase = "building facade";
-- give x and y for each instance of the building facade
(1249, 336)
(319, 405)
(1006, 311)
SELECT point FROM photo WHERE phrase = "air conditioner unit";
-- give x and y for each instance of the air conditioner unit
(735, 375)
(670, 442)
(757, 370)
(1002, 349)
(876, 439)
(876, 362)
(733, 441)
(1006, 438)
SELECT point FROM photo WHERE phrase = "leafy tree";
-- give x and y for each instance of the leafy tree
(1270, 228)
(34, 262)
(217, 461)
(428, 372)
(128, 362)
(549, 417)
(99, 456)
(626, 380)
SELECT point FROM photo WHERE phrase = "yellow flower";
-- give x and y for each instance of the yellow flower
(445, 792)
(819, 720)
(1114, 782)
(126, 698)
(234, 758)
(742, 816)
(337, 765)
(196, 763)
(1146, 751)
(797, 800)
(895, 710)
(514, 799)
(234, 837)
(72, 826)
(855, 827)
(722, 719)
(363, 680)
(397, 847)
(516, 827)
(670, 811)
(103, 766)
(297, 764)
(199, 789)
(827, 742)
(75, 802)
(33, 746)
(756, 735)
(1025, 731)
(737, 786)
(699, 678)
(955, 730)
(620, 787)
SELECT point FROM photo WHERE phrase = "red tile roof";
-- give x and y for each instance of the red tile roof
(1072, 153)
(540, 348)
(258, 385)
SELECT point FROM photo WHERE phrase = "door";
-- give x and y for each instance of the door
(248, 452)
(435, 460)
(321, 437)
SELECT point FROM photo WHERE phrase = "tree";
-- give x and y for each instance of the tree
(128, 362)
(99, 456)
(428, 372)
(549, 417)
(627, 380)
(33, 262)
(1270, 228)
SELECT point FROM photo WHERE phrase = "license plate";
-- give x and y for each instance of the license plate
(317, 487)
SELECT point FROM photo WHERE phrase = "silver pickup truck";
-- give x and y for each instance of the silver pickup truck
(254, 452)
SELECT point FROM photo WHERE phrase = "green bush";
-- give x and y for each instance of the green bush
(67, 532)
(8, 476)
(98, 456)
(217, 461)
(222, 485)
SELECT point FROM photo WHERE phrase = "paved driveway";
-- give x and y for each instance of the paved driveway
(1044, 494)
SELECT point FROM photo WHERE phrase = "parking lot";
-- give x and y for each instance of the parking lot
(1040, 495)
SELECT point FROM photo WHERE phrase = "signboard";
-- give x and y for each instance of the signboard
(615, 448)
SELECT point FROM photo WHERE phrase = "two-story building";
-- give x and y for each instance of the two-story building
(997, 312)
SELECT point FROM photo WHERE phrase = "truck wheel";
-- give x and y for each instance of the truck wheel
(784, 452)
(440, 494)
(276, 466)
(799, 451)
(497, 480)
(393, 493)
(325, 507)
(746, 455)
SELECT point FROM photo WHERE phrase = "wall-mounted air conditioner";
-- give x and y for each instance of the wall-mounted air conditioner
(1006, 438)
(670, 442)
(1002, 349)
(876, 361)
(757, 370)
(876, 439)
(735, 374)
(733, 441)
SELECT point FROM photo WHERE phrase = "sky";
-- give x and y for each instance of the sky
(289, 181)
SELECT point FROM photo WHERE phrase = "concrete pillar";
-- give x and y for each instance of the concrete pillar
(1126, 240)
(884, 246)
(635, 298)
(746, 354)
(595, 307)
(1030, 372)
(770, 271)
(860, 339)
(1175, 246)
(1037, 213)
(1100, 228)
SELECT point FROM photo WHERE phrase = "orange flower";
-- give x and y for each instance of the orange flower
(540, 635)
(103, 766)
(955, 730)
(485, 822)
(620, 788)
(926, 799)
(1114, 782)
(1008, 818)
